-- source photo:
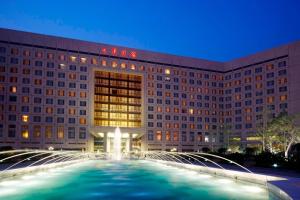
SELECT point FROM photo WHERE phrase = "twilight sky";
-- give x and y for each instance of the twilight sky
(218, 30)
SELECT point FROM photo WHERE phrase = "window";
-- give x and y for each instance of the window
(72, 67)
(48, 132)
(25, 118)
(25, 132)
(2, 49)
(2, 59)
(82, 132)
(71, 132)
(36, 131)
(158, 135)
(282, 64)
(60, 132)
(38, 63)
(150, 135)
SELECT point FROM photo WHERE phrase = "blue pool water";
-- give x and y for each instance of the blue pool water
(126, 180)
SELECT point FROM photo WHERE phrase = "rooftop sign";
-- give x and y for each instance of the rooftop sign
(119, 52)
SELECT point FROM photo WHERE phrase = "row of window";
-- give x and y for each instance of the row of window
(47, 132)
(47, 119)
(184, 136)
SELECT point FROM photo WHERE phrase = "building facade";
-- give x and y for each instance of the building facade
(72, 94)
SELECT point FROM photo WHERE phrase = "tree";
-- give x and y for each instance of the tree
(286, 129)
(267, 137)
(226, 128)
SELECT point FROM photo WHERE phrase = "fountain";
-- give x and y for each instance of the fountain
(117, 144)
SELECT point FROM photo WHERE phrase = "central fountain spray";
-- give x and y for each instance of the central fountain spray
(117, 144)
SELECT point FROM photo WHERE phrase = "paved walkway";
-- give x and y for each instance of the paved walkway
(291, 186)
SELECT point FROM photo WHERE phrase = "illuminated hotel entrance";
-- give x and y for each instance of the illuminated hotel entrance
(104, 142)
(117, 103)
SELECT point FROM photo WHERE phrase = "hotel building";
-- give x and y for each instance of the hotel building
(72, 94)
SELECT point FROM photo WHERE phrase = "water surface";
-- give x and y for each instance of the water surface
(127, 180)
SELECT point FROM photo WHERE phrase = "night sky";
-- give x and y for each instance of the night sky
(213, 29)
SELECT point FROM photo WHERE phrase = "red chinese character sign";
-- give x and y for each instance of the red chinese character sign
(115, 52)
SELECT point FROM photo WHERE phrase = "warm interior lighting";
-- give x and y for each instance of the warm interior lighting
(132, 67)
(25, 118)
(114, 64)
(13, 89)
(25, 134)
(167, 71)
(73, 58)
(83, 60)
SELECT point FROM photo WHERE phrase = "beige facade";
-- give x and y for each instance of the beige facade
(50, 95)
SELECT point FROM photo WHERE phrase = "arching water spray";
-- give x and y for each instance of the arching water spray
(117, 144)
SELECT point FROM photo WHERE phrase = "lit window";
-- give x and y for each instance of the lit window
(25, 99)
(83, 94)
(61, 93)
(72, 94)
(167, 71)
(248, 110)
(283, 97)
(36, 131)
(83, 60)
(123, 65)
(132, 67)
(82, 121)
(61, 57)
(168, 136)
(270, 66)
(175, 136)
(103, 62)
(206, 138)
(258, 85)
(50, 56)
(158, 135)
(206, 126)
(60, 132)
(114, 64)
(191, 111)
(270, 99)
(73, 58)
(94, 61)
(159, 109)
(38, 54)
(25, 132)
(62, 66)
(142, 68)
(25, 118)
(13, 89)
(49, 110)
(48, 132)
(26, 53)
(72, 111)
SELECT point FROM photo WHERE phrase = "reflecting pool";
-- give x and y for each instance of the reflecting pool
(126, 180)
